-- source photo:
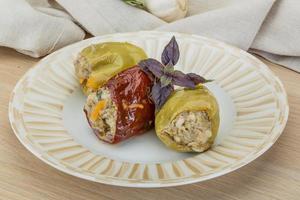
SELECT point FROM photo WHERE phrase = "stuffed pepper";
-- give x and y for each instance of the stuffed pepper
(121, 108)
(97, 63)
(189, 120)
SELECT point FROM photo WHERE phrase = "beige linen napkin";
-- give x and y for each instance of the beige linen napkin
(102, 16)
(35, 31)
(279, 37)
(236, 23)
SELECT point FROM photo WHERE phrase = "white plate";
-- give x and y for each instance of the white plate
(46, 115)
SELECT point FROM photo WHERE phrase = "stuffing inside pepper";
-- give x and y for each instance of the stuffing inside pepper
(189, 120)
(191, 128)
(102, 114)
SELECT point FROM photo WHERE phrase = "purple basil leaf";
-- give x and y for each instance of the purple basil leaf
(181, 79)
(170, 53)
(160, 94)
(196, 78)
(153, 66)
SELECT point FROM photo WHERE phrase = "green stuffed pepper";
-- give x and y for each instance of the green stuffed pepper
(97, 63)
(189, 120)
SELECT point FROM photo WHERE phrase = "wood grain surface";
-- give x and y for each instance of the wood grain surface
(274, 175)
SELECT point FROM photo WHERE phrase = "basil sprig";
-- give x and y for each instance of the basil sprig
(165, 76)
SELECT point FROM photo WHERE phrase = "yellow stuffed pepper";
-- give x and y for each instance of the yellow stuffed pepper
(189, 120)
(97, 63)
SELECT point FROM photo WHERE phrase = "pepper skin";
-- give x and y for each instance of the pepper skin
(130, 92)
(199, 99)
(97, 63)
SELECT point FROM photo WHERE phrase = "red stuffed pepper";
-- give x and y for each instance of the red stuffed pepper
(122, 107)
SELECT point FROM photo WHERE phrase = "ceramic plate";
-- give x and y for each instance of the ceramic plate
(46, 115)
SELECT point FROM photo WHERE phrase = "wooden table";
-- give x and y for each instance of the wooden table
(275, 175)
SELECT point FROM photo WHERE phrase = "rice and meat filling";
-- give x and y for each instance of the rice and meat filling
(191, 128)
(82, 68)
(102, 114)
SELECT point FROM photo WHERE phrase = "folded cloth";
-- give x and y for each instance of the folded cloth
(35, 31)
(102, 16)
(278, 39)
(235, 23)
(268, 28)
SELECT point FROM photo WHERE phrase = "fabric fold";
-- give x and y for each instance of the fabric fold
(237, 24)
(100, 17)
(290, 62)
(32, 32)
(280, 33)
